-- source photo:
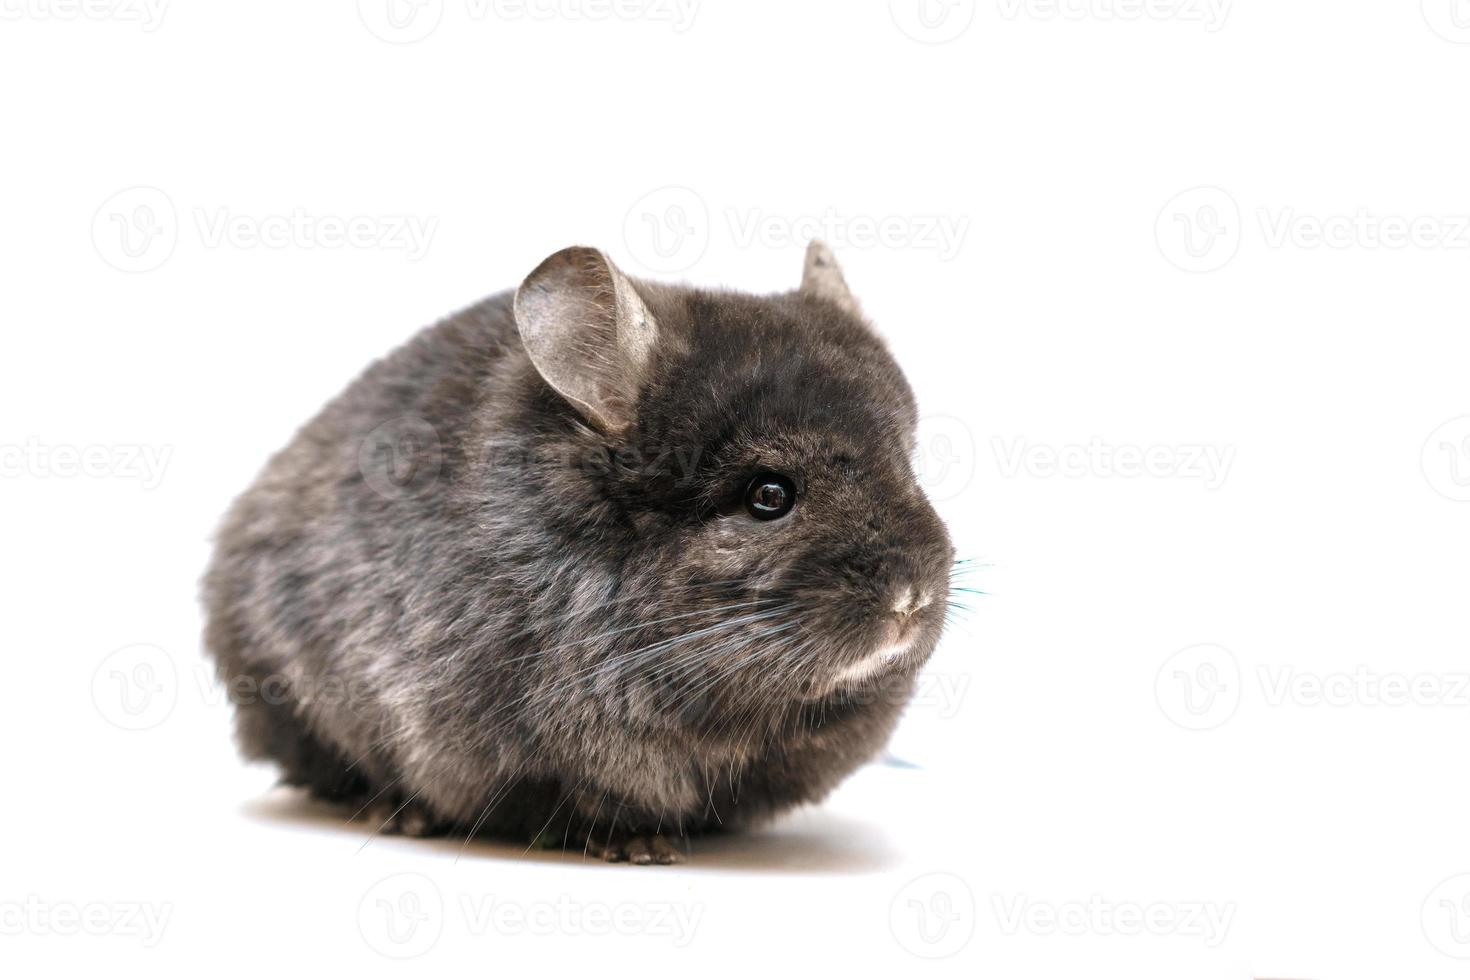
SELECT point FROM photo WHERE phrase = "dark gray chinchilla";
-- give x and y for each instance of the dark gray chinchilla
(600, 562)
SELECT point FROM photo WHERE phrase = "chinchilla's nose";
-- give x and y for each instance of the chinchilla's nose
(909, 599)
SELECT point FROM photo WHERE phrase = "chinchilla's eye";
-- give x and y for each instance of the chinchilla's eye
(770, 496)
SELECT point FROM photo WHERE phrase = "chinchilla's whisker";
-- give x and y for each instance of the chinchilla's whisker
(495, 798)
(625, 657)
(691, 691)
(729, 669)
(660, 646)
(698, 658)
(963, 625)
(736, 640)
(600, 802)
(583, 612)
(749, 707)
(389, 819)
(562, 800)
(636, 626)
(957, 613)
(653, 649)
(371, 799)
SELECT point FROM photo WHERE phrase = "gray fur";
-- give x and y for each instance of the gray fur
(531, 603)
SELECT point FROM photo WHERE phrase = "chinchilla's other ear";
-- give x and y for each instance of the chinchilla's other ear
(588, 333)
(822, 277)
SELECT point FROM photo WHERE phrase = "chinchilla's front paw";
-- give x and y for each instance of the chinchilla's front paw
(634, 848)
(389, 815)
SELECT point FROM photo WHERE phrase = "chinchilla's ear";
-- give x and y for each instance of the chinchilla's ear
(821, 277)
(588, 333)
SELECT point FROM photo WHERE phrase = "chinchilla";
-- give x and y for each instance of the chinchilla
(599, 562)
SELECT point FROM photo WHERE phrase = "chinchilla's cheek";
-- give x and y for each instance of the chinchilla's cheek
(729, 550)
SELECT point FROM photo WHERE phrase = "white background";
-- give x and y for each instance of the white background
(1095, 234)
